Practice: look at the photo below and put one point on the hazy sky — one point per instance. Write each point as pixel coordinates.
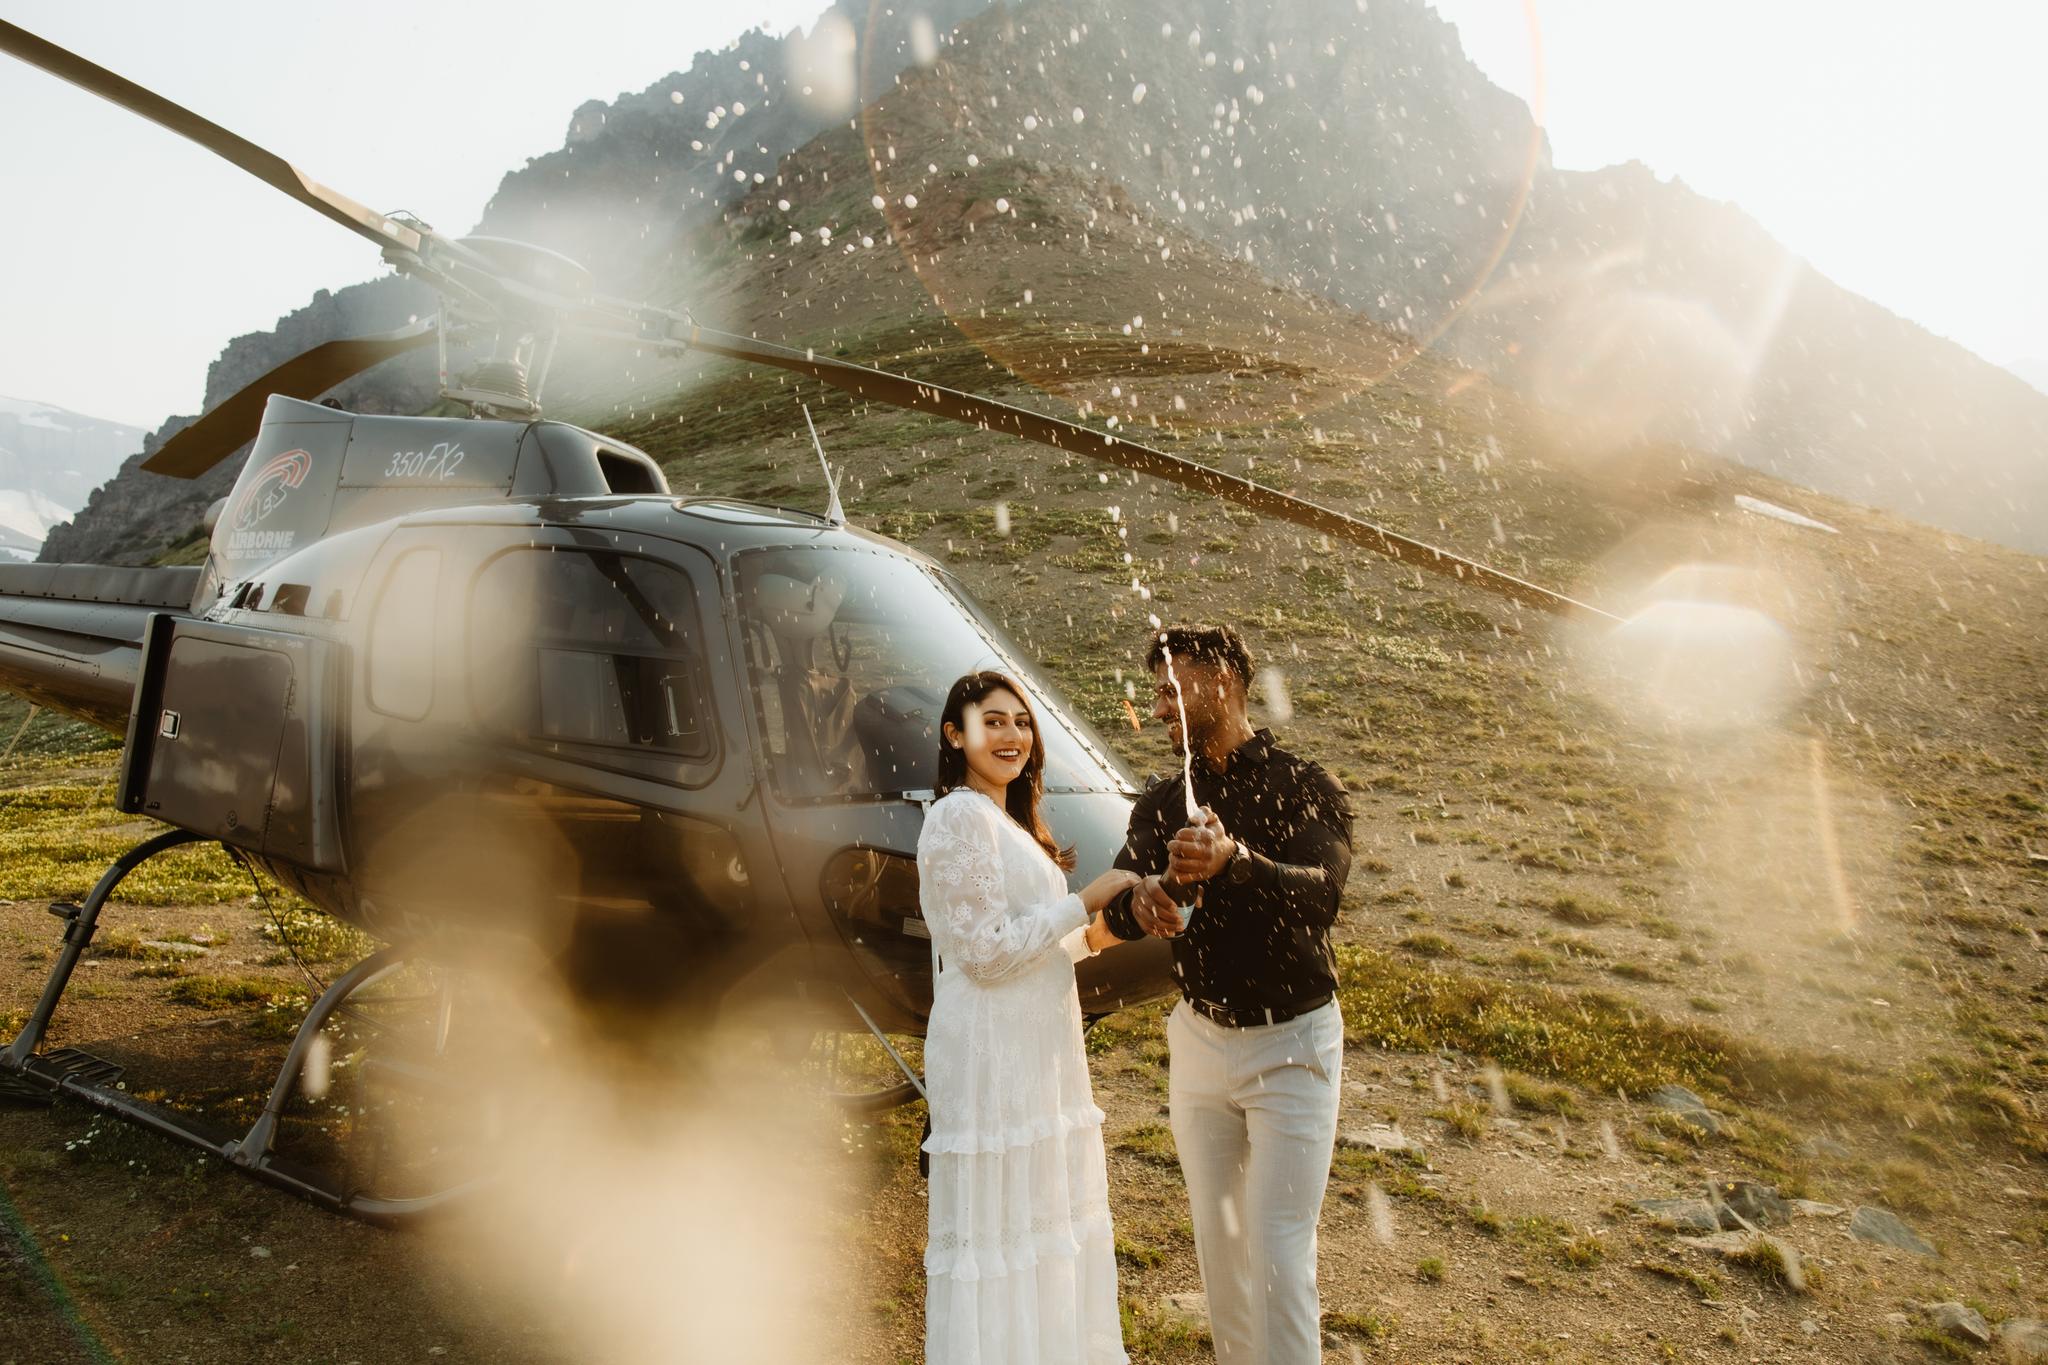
(148, 253)
(1898, 147)
(1902, 148)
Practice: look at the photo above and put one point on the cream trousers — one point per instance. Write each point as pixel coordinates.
(1255, 1118)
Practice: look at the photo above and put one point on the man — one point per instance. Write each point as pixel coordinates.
(1247, 894)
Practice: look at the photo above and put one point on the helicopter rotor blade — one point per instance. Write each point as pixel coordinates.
(904, 392)
(235, 420)
(219, 433)
(267, 166)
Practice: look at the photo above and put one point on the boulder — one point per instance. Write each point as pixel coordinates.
(2025, 1340)
(1960, 1321)
(1675, 1097)
(1688, 1106)
(1189, 1310)
(1753, 1203)
(1381, 1137)
(1813, 1208)
(1872, 1224)
(1686, 1215)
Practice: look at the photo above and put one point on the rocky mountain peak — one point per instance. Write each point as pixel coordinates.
(1352, 152)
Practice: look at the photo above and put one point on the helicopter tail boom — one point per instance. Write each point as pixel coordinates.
(71, 634)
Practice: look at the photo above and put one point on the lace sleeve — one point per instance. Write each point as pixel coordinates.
(962, 887)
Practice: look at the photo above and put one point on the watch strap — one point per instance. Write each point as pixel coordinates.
(1239, 869)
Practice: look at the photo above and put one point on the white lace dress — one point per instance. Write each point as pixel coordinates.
(1020, 1266)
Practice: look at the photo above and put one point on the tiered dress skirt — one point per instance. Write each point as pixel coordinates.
(1021, 1262)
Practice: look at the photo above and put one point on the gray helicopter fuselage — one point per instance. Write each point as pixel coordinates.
(679, 748)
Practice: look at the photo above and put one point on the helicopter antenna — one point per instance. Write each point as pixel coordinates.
(834, 513)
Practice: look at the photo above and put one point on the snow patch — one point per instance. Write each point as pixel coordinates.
(1786, 514)
(29, 513)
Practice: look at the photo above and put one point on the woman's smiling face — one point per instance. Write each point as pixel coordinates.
(996, 738)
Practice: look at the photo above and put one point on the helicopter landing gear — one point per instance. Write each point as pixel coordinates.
(20, 1063)
(384, 1187)
(384, 999)
(864, 1070)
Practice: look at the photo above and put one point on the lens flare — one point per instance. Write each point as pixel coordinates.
(632, 1216)
(1847, 919)
(1620, 362)
(821, 65)
(1698, 656)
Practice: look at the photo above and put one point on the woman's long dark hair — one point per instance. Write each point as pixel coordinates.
(1020, 799)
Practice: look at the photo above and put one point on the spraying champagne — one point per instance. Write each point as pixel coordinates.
(1187, 769)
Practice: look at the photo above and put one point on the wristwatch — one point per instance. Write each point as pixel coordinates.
(1239, 868)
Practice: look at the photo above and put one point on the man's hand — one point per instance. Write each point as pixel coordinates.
(1199, 851)
(1154, 909)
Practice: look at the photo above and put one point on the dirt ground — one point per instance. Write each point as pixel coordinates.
(1509, 1239)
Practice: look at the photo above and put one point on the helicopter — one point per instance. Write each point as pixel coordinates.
(486, 688)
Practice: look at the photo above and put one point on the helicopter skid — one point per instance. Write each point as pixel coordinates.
(309, 1183)
(27, 1075)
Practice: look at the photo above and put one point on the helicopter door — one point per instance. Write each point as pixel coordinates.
(549, 770)
(235, 733)
(599, 672)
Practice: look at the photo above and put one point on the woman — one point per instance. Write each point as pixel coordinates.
(1020, 1266)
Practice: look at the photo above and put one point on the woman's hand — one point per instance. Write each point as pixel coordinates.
(1105, 889)
(1099, 935)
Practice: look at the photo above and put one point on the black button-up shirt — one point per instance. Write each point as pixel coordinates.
(1263, 943)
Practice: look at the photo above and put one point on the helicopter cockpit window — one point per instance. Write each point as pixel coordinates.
(850, 655)
(590, 648)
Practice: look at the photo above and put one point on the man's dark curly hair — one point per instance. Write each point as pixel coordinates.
(1218, 645)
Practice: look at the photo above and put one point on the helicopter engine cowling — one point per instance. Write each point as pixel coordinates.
(316, 470)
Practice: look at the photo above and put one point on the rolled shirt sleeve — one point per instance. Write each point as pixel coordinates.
(1305, 884)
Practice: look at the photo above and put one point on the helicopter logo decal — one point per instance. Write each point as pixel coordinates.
(274, 482)
(266, 493)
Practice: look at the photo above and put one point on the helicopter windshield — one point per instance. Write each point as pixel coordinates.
(851, 653)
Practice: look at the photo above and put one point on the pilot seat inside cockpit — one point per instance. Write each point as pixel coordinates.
(842, 685)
